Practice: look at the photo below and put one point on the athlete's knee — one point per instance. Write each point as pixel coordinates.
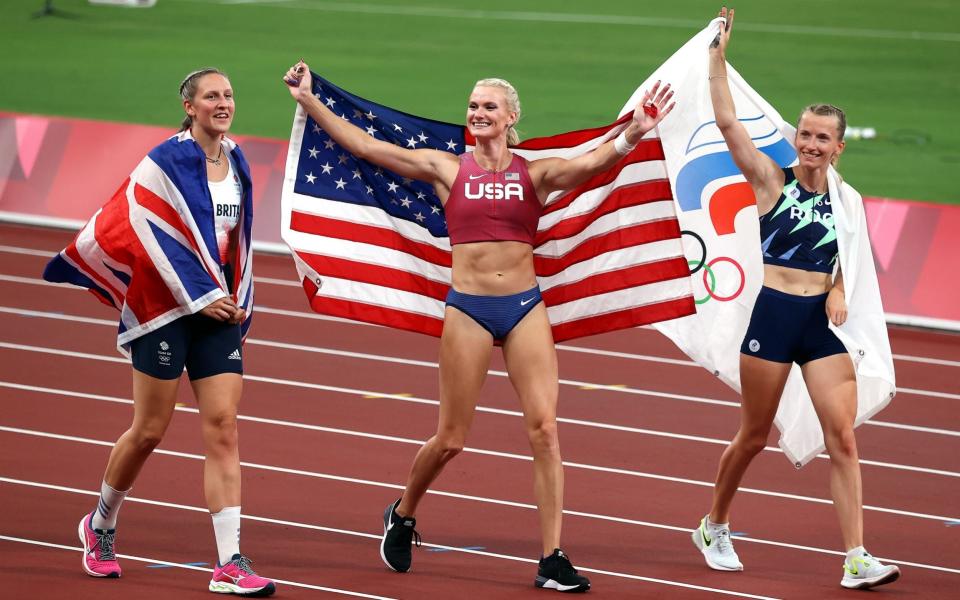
(544, 437)
(449, 444)
(751, 442)
(841, 443)
(220, 430)
(147, 436)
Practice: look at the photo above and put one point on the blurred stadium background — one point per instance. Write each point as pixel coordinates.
(893, 66)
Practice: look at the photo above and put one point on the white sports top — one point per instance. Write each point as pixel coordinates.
(226, 195)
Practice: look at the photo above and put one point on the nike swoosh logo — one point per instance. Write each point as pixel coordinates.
(472, 177)
(526, 302)
(706, 540)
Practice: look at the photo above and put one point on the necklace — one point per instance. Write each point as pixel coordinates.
(215, 161)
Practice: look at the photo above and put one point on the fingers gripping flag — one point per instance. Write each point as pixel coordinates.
(152, 254)
(372, 246)
(717, 214)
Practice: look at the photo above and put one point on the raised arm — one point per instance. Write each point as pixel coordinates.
(552, 174)
(761, 172)
(432, 166)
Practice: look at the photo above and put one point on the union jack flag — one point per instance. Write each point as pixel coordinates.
(151, 253)
(372, 246)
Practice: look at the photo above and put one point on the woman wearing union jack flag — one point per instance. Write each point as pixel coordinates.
(171, 251)
(492, 199)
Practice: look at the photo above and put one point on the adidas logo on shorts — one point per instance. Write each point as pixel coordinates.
(235, 355)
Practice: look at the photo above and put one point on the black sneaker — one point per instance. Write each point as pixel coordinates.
(398, 535)
(556, 573)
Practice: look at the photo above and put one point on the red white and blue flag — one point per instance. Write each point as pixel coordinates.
(152, 254)
(372, 246)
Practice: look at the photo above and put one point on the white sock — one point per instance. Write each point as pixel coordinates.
(715, 526)
(857, 552)
(105, 517)
(226, 528)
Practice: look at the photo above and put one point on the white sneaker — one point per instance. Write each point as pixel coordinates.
(717, 547)
(865, 571)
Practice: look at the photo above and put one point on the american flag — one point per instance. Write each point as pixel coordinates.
(152, 254)
(372, 246)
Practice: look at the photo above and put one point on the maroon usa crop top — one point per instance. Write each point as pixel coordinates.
(486, 206)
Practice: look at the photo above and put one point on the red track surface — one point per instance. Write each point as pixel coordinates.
(334, 451)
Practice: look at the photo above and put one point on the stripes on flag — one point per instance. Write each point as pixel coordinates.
(152, 254)
(372, 246)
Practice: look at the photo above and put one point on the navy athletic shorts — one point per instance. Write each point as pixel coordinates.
(497, 314)
(203, 345)
(785, 328)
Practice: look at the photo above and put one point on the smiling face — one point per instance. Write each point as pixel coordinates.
(818, 140)
(488, 113)
(212, 106)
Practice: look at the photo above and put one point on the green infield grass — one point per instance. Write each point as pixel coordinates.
(892, 65)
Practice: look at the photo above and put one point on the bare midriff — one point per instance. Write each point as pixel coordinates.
(796, 281)
(493, 268)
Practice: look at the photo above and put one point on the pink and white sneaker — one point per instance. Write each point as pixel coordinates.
(237, 577)
(99, 559)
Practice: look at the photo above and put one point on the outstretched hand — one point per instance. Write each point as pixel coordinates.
(720, 42)
(653, 108)
(298, 80)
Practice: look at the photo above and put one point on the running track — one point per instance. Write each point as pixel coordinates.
(333, 413)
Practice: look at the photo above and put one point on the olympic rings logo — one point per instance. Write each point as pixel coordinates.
(708, 274)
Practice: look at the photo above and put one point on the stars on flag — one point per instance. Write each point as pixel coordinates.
(341, 176)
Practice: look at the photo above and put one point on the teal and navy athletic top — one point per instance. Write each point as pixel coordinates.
(798, 232)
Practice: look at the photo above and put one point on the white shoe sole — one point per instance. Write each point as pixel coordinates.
(552, 584)
(698, 542)
(86, 550)
(222, 587)
(383, 540)
(862, 584)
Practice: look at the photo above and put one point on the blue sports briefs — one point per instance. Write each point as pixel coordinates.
(497, 314)
(785, 328)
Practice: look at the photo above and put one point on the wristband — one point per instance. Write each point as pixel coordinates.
(622, 146)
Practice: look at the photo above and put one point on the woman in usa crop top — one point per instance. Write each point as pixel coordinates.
(492, 200)
(802, 290)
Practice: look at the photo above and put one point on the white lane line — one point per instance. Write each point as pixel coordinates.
(349, 532)
(318, 317)
(915, 392)
(365, 435)
(383, 10)
(684, 530)
(116, 359)
(420, 363)
(406, 361)
(689, 363)
(154, 561)
(27, 251)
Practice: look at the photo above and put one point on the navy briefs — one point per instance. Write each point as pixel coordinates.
(497, 314)
(203, 345)
(785, 328)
